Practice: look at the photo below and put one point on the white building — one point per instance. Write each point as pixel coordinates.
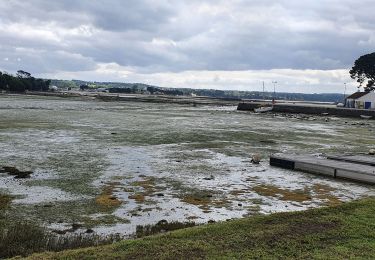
(53, 88)
(361, 100)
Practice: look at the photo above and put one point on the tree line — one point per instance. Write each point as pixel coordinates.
(22, 81)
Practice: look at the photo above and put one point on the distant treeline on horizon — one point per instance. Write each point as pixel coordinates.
(140, 88)
(22, 81)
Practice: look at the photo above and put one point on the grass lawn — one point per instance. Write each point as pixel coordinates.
(341, 232)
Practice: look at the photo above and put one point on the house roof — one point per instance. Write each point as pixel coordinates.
(357, 95)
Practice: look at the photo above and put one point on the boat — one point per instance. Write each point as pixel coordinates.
(365, 117)
(263, 109)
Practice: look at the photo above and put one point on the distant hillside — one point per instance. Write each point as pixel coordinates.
(116, 87)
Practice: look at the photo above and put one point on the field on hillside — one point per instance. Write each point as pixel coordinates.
(111, 166)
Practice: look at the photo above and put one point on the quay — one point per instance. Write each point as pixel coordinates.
(355, 168)
(307, 108)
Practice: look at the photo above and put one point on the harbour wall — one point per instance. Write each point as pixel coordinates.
(309, 109)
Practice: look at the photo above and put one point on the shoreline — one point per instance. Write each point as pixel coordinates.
(114, 97)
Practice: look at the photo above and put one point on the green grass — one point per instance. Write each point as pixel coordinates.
(341, 232)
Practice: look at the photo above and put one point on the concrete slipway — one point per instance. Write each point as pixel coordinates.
(352, 167)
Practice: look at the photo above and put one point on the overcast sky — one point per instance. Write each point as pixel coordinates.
(306, 46)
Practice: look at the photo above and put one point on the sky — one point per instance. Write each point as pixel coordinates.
(305, 46)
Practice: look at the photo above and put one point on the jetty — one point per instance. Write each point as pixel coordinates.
(354, 158)
(351, 167)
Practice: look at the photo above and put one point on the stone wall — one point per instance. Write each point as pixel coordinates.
(314, 110)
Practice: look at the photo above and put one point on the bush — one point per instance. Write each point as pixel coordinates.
(160, 227)
(25, 238)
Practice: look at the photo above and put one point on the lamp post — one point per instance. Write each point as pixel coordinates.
(274, 89)
(263, 91)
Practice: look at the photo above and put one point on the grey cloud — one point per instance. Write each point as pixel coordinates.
(157, 36)
(39, 62)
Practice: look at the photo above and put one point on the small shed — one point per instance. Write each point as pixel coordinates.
(361, 100)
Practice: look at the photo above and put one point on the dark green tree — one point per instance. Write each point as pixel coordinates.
(23, 81)
(84, 87)
(364, 69)
(23, 74)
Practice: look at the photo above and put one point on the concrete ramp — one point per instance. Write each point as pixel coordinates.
(327, 167)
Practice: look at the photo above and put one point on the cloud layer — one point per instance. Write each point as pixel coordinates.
(239, 42)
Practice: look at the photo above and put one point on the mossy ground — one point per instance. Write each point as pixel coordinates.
(5, 201)
(339, 232)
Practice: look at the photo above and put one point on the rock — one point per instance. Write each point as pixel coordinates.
(89, 231)
(15, 172)
(160, 194)
(255, 158)
(23, 175)
(162, 222)
(76, 226)
(240, 204)
(211, 221)
(59, 232)
(371, 152)
(268, 141)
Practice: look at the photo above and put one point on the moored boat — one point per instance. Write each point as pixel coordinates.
(263, 109)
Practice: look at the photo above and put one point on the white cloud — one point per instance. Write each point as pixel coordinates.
(288, 80)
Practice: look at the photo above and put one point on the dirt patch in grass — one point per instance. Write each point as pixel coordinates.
(204, 200)
(148, 183)
(5, 201)
(147, 189)
(238, 192)
(283, 194)
(138, 197)
(324, 193)
(106, 199)
(306, 228)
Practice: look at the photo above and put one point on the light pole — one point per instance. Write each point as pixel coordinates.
(344, 90)
(274, 89)
(263, 91)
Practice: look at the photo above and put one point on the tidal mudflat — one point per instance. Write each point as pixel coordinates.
(110, 166)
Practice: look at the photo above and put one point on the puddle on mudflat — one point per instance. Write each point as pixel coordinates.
(119, 165)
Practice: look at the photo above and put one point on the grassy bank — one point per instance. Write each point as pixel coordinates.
(340, 232)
